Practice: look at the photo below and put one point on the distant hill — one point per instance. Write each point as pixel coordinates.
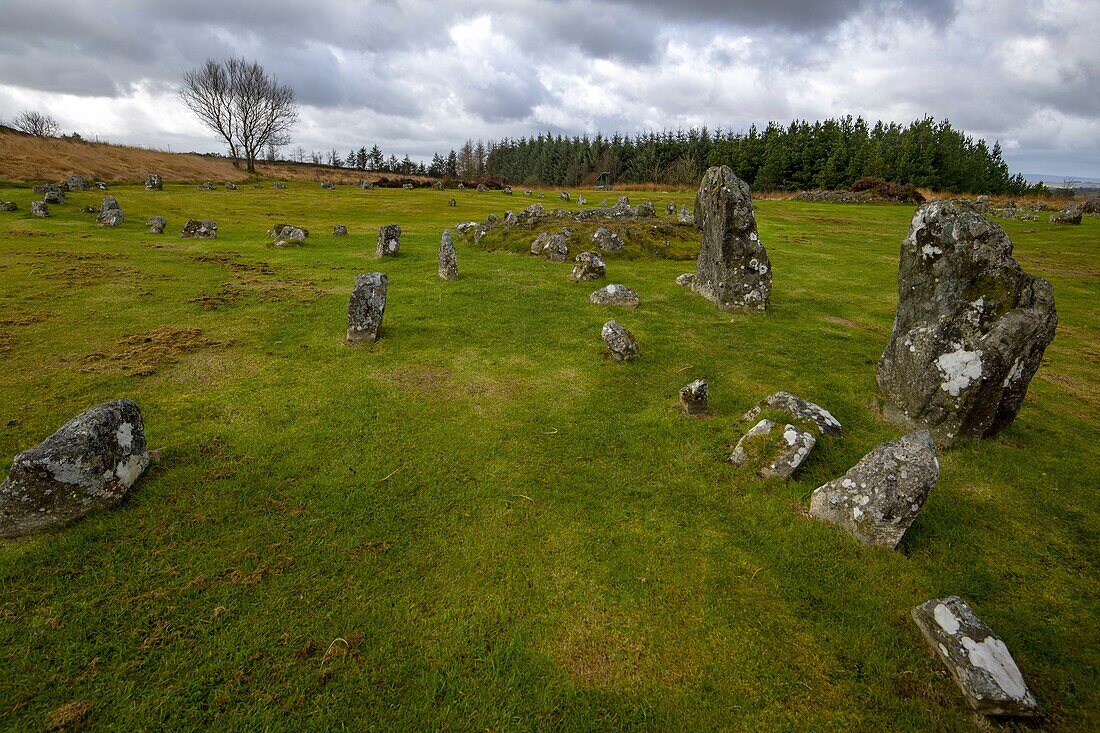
(1053, 181)
(26, 158)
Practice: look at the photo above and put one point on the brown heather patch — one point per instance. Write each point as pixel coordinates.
(141, 355)
(70, 716)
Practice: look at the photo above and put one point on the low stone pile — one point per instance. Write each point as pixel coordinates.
(1071, 214)
(199, 229)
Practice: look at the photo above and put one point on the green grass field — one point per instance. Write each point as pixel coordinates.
(480, 523)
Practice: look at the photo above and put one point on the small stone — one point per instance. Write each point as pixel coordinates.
(156, 224)
(880, 497)
(800, 410)
(54, 197)
(507, 190)
(482, 188)
(109, 217)
(465, 227)
(339, 231)
(278, 184)
(534, 211)
(407, 186)
(693, 397)
(555, 248)
(230, 186)
(208, 186)
(199, 229)
(366, 308)
(108, 203)
(686, 217)
(589, 266)
(670, 209)
(452, 202)
(290, 236)
(527, 192)
(564, 195)
(614, 294)
(90, 463)
(607, 240)
(620, 341)
(685, 280)
(448, 259)
(582, 200)
(153, 182)
(8, 206)
(779, 455)
(510, 218)
(1071, 214)
(101, 185)
(645, 209)
(976, 657)
(40, 208)
(328, 185)
(389, 240)
(623, 202)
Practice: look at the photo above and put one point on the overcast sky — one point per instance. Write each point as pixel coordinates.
(419, 76)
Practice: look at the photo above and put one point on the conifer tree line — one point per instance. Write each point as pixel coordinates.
(831, 154)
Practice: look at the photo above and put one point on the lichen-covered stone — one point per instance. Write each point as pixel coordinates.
(670, 209)
(970, 330)
(510, 218)
(614, 294)
(278, 185)
(109, 216)
(156, 224)
(534, 211)
(8, 206)
(564, 195)
(507, 190)
(54, 197)
(465, 227)
(40, 208)
(230, 186)
(199, 229)
(452, 202)
(582, 200)
(693, 397)
(1071, 214)
(448, 259)
(88, 464)
(589, 266)
(607, 240)
(686, 216)
(389, 240)
(339, 231)
(366, 308)
(733, 269)
(287, 235)
(979, 661)
(555, 248)
(774, 454)
(208, 186)
(880, 497)
(620, 341)
(328, 185)
(685, 280)
(153, 182)
(645, 209)
(77, 182)
(800, 410)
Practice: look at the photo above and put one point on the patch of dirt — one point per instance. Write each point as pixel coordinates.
(256, 280)
(8, 325)
(842, 322)
(423, 380)
(142, 354)
(70, 716)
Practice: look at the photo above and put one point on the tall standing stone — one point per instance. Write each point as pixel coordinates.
(733, 269)
(389, 240)
(970, 330)
(448, 260)
(366, 308)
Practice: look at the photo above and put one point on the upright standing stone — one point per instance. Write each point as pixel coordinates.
(110, 213)
(389, 240)
(448, 260)
(368, 304)
(977, 659)
(89, 463)
(620, 341)
(733, 269)
(452, 202)
(564, 195)
(54, 197)
(153, 182)
(693, 397)
(970, 330)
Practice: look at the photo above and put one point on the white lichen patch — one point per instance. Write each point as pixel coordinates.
(992, 655)
(125, 436)
(1014, 373)
(947, 620)
(129, 469)
(959, 368)
(929, 251)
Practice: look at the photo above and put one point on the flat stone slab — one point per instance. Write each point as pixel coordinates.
(614, 294)
(976, 657)
(800, 410)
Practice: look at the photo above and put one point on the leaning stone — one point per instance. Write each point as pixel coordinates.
(199, 229)
(77, 182)
(620, 341)
(339, 231)
(101, 186)
(685, 280)
(452, 202)
(389, 240)
(110, 217)
(156, 224)
(589, 266)
(539, 242)
(367, 305)
(40, 208)
(970, 330)
(733, 269)
(614, 294)
(878, 499)
(693, 397)
(448, 259)
(54, 197)
(779, 455)
(976, 657)
(8, 206)
(800, 410)
(87, 465)
(1069, 215)
(153, 182)
(607, 240)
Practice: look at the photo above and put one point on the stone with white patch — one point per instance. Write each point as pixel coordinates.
(772, 453)
(40, 208)
(389, 241)
(588, 266)
(970, 330)
(90, 463)
(685, 280)
(156, 224)
(366, 307)
(153, 182)
(693, 397)
(199, 229)
(607, 240)
(880, 497)
(800, 410)
(614, 294)
(976, 657)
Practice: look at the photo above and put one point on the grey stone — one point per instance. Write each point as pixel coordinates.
(970, 330)
(448, 259)
(339, 231)
(90, 463)
(47, 187)
(670, 209)
(620, 341)
(623, 202)
(482, 188)
(774, 454)
(582, 200)
(109, 217)
(534, 211)
(208, 186)
(645, 209)
(979, 661)
(389, 240)
(153, 182)
(878, 498)
(156, 224)
(510, 218)
(366, 308)
(800, 410)
(366, 185)
(507, 190)
(328, 185)
(8, 206)
(1071, 214)
(466, 227)
(555, 248)
(77, 182)
(588, 266)
(686, 217)
(40, 208)
(101, 185)
(527, 192)
(462, 187)
(278, 184)
(607, 240)
(230, 186)
(54, 197)
(290, 236)
(685, 280)
(564, 195)
(407, 186)
(614, 294)
(733, 269)
(452, 202)
(108, 203)
(693, 397)
(199, 229)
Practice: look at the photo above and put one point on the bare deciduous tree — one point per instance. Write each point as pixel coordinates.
(243, 104)
(35, 123)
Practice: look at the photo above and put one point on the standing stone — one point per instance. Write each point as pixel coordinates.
(290, 236)
(527, 192)
(156, 224)
(686, 217)
(1069, 215)
(978, 660)
(230, 186)
(339, 231)
(670, 209)
(881, 495)
(452, 202)
(589, 266)
(407, 186)
(389, 240)
(278, 184)
(534, 211)
(801, 411)
(507, 190)
(448, 259)
(564, 195)
(970, 330)
(510, 218)
(196, 229)
(614, 294)
(153, 182)
(620, 341)
(555, 248)
(693, 397)
(54, 197)
(607, 240)
(109, 202)
(685, 280)
(623, 202)
(645, 209)
(77, 182)
(101, 185)
(733, 269)
(40, 208)
(368, 304)
(110, 215)
(88, 464)
(777, 454)
(582, 200)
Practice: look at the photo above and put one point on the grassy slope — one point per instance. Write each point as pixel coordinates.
(486, 524)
